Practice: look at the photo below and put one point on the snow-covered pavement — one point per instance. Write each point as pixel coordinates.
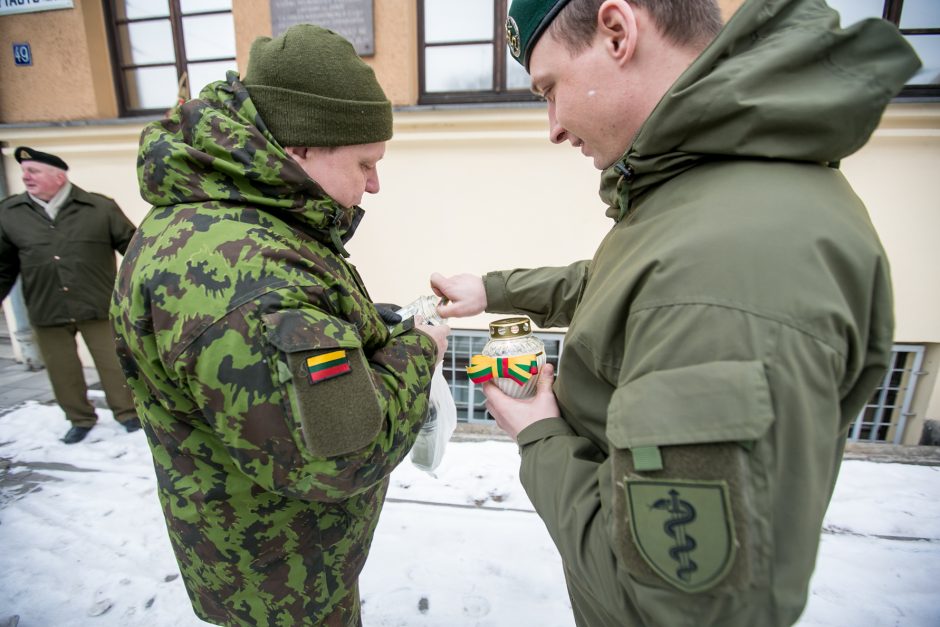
(83, 542)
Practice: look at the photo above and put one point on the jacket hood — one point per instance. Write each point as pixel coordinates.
(781, 80)
(217, 149)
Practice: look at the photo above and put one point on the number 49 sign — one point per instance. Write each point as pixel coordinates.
(22, 54)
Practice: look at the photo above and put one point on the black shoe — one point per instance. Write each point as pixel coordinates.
(76, 434)
(132, 425)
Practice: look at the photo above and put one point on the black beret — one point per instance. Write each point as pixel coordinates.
(22, 153)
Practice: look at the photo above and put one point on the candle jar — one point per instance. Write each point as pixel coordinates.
(517, 357)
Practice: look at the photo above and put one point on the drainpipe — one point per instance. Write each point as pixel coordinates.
(24, 348)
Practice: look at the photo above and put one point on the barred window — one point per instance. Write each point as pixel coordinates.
(884, 418)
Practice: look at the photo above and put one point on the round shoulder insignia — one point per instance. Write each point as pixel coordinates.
(512, 37)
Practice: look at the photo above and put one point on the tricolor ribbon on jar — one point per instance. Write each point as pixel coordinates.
(519, 368)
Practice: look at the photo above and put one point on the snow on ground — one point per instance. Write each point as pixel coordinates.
(83, 542)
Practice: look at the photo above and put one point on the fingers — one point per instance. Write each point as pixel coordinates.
(438, 333)
(465, 293)
(546, 380)
(494, 397)
(437, 281)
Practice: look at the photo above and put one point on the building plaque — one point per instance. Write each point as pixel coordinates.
(350, 18)
(9, 7)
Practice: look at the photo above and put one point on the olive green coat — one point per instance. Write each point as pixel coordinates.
(730, 327)
(67, 264)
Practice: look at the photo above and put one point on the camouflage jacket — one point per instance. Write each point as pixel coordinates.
(275, 401)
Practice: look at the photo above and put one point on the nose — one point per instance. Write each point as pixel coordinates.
(372, 183)
(556, 132)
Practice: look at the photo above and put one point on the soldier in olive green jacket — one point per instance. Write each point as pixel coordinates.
(60, 240)
(275, 400)
(733, 322)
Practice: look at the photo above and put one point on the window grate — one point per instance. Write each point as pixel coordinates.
(884, 418)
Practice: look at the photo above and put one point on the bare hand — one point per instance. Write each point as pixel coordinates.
(465, 292)
(514, 414)
(438, 333)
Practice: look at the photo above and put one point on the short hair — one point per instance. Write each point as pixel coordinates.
(684, 22)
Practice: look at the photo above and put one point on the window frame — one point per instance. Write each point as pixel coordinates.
(499, 92)
(120, 66)
(892, 13)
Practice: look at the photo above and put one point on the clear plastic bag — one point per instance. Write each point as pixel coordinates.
(428, 449)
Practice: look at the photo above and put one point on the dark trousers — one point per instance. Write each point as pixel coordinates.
(59, 350)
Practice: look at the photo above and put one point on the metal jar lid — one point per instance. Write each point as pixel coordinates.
(510, 327)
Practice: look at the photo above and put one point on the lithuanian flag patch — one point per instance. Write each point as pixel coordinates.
(327, 366)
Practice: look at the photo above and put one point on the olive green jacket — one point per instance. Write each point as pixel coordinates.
(67, 264)
(275, 401)
(728, 330)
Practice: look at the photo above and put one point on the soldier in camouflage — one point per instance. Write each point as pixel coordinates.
(275, 399)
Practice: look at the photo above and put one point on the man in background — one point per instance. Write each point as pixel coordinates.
(61, 240)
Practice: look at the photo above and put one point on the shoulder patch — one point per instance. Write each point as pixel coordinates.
(327, 366)
(683, 530)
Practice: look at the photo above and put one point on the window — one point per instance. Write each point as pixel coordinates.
(919, 22)
(884, 418)
(168, 49)
(468, 397)
(463, 56)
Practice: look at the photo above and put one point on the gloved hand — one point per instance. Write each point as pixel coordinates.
(387, 312)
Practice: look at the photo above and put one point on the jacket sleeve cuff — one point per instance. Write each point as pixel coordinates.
(497, 296)
(543, 429)
(428, 346)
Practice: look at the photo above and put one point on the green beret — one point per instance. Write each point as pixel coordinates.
(527, 21)
(22, 153)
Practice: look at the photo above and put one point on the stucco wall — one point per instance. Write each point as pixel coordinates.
(74, 85)
(473, 189)
(895, 174)
(470, 190)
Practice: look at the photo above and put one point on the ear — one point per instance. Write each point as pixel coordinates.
(616, 25)
(297, 153)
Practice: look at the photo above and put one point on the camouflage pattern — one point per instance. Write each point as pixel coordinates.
(235, 275)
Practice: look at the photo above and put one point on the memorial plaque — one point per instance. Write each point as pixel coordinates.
(350, 18)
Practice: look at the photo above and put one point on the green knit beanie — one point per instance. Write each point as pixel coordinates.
(312, 89)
